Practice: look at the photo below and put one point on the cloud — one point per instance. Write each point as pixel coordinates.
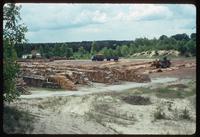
(76, 22)
(182, 10)
(60, 16)
(144, 12)
(150, 12)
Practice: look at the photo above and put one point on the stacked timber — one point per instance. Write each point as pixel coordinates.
(66, 76)
(62, 81)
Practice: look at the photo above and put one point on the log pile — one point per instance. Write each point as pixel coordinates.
(62, 81)
(22, 87)
(44, 74)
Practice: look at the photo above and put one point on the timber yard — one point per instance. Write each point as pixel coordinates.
(128, 96)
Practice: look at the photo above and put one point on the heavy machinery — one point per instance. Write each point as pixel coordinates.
(101, 57)
(115, 58)
(162, 63)
(98, 57)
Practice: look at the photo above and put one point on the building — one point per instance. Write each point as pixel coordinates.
(25, 56)
(34, 54)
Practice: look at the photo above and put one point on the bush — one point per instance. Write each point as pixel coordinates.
(159, 114)
(185, 114)
(137, 100)
(17, 121)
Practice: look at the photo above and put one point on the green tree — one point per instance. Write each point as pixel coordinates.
(81, 51)
(41, 50)
(115, 53)
(13, 33)
(118, 51)
(125, 50)
(182, 47)
(63, 50)
(163, 37)
(183, 36)
(110, 52)
(132, 48)
(93, 48)
(12, 30)
(69, 52)
(191, 47)
(104, 51)
(193, 36)
(57, 50)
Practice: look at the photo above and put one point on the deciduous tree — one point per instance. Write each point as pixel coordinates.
(13, 33)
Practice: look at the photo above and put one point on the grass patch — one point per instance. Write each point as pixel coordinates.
(178, 86)
(168, 93)
(137, 100)
(53, 102)
(17, 121)
(171, 91)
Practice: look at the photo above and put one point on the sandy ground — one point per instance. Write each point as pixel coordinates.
(100, 108)
(98, 114)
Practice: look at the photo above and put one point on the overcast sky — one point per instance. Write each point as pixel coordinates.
(88, 22)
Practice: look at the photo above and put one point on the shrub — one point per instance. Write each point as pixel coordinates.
(137, 100)
(185, 114)
(159, 114)
(17, 121)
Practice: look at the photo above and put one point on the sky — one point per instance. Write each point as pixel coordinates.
(92, 22)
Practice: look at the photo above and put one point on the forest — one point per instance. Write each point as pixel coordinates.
(185, 44)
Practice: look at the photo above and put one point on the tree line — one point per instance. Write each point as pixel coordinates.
(85, 49)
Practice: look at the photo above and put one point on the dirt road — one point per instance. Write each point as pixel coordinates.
(96, 88)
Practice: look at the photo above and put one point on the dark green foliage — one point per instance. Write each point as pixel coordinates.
(181, 36)
(191, 47)
(12, 29)
(94, 48)
(193, 36)
(124, 50)
(137, 100)
(13, 33)
(17, 121)
(85, 49)
(163, 37)
(81, 50)
(68, 52)
(10, 69)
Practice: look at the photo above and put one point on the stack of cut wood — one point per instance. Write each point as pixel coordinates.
(62, 81)
(21, 87)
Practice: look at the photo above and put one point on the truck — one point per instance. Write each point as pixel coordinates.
(101, 57)
(98, 57)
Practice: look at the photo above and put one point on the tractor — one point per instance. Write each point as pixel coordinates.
(162, 63)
